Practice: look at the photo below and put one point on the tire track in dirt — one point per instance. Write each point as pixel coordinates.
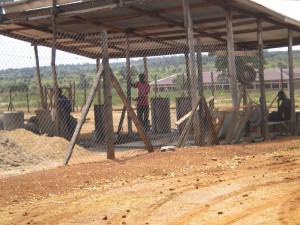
(289, 210)
(200, 211)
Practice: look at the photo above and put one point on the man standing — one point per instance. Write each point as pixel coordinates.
(142, 100)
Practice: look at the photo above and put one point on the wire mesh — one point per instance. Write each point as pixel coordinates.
(30, 131)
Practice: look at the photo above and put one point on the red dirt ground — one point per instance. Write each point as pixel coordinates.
(234, 184)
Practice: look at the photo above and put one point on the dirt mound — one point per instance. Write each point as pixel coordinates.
(22, 149)
(13, 155)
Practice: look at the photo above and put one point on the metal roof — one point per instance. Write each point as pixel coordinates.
(154, 27)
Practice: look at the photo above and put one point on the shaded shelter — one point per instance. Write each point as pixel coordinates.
(140, 28)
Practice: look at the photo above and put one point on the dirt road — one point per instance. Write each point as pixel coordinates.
(240, 184)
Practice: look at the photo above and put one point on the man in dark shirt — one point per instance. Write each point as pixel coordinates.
(284, 108)
(67, 123)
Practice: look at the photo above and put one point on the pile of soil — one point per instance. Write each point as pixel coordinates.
(23, 150)
(13, 155)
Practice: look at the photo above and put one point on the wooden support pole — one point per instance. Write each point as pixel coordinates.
(231, 58)
(146, 68)
(188, 74)
(53, 58)
(291, 82)
(83, 116)
(212, 83)
(99, 86)
(194, 88)
(155, 86)
(201, 92)
(74, 97)
(109, 129)
(27, 98)
(281, 78)
(38, 76)
(128, 83)
(131, 113)
(265, 130)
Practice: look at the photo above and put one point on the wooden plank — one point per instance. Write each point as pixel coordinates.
(121, 120)
(291, 82)
(38, 76)
(132, 114)
(182, 119)
(213, 134)
(188, 125)
(201, 91)
(192, 68)
(83, 116)
(128, 83)
(242, 122)
(231, 58)
(108, 125)
(220, 122)
(234, 121)
(265, 131)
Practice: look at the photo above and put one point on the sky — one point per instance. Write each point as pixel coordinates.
(18, 54)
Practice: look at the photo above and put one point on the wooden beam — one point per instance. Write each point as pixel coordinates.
(53, 58)
(265, 130)
(192, 69)
(231, 58)
(291, 82)
(128, 82)
(108, 122)
(83, 115)
(173, 22)
(38, 75)
(201, 92)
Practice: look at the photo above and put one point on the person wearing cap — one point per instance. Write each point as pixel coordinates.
(142, 100)
(283, 112)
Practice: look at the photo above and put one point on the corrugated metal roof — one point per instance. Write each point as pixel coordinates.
(159, 25)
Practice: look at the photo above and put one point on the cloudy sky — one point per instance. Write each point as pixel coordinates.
(290, 8)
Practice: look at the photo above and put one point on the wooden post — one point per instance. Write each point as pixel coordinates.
(281, 78)
(291, 82)
(146, 68)
(265, 130)
(46, 96)
(188, 74)
(99, 86)
(192, 68)
(201, 92)
(53, 57)
(38, 76)
(231, 59)
(83, 116)
(155, 86)
(27, 98)
(128, 83)
(74, 97)
(131, 113)
(109, 129)
(212, 83)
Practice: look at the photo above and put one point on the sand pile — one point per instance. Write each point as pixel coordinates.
(20, 148)
(13, 155)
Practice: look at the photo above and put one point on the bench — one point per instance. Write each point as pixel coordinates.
(280, 126)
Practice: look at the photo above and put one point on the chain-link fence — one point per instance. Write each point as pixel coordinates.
(30, 136)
